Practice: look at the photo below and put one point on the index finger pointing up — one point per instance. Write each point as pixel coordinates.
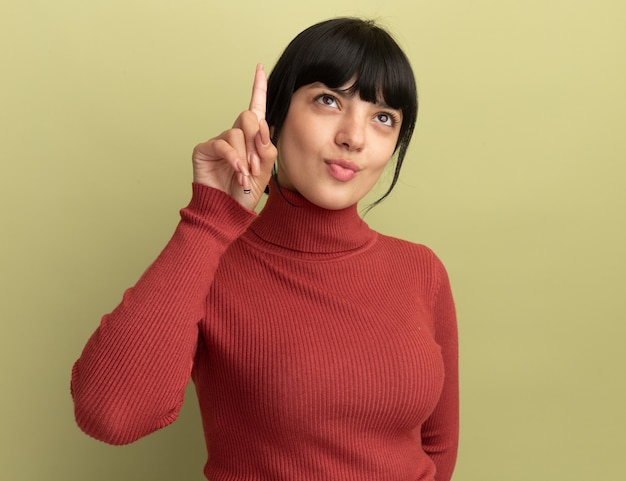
(259, 92)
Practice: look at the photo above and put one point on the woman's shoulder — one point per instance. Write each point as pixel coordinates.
(416, 266)
(406, 247)
(409, 254)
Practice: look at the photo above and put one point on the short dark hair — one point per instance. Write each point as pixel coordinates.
(335, 51)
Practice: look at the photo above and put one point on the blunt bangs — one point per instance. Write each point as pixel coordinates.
(379, 68)
(340, 50)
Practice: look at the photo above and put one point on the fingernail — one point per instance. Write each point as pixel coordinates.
(243, 169)
(255, 164)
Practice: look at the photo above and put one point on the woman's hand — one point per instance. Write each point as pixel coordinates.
(239, 161)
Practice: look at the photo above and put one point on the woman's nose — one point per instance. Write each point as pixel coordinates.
(351, 133)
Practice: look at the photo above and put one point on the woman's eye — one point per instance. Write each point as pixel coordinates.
(386, 119)
(327, 100)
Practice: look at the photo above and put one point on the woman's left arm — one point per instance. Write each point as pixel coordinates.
(440, 432)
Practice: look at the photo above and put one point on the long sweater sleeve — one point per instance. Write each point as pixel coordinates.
(131, 376)
(440, 431)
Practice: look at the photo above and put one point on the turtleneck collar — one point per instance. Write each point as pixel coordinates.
(290, 222)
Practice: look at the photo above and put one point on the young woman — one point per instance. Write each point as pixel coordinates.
(319, 348)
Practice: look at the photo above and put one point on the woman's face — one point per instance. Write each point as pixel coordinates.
(333, 145)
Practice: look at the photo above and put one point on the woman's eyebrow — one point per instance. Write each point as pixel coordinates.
(348, 93)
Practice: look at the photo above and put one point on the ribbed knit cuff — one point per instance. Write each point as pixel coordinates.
(210, 205)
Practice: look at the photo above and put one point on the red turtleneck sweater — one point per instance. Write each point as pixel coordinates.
(319, 348)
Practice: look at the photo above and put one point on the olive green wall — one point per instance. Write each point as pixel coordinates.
(515, 178)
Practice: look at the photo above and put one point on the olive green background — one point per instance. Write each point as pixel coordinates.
(515, 178)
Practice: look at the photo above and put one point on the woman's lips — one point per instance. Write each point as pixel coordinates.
(341, 169)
